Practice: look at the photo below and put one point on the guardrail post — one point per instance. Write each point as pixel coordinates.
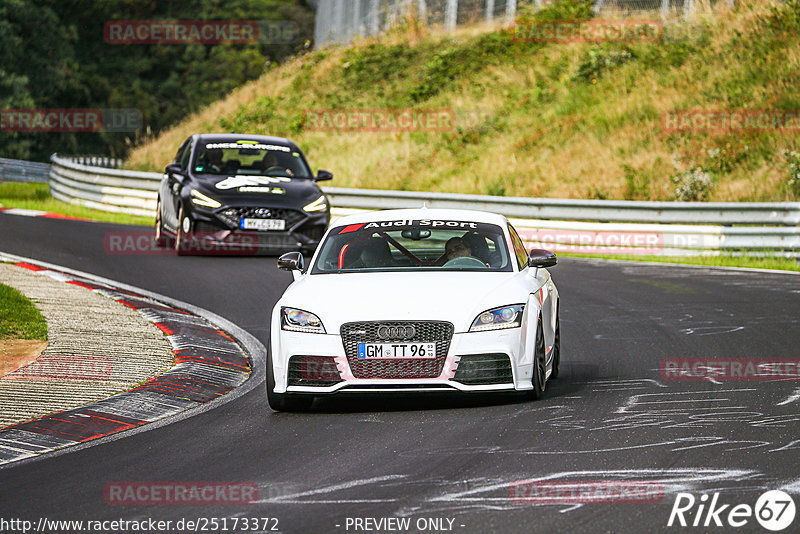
(338, 21)
(511, 10)
(374, 24)
(688, 8)
(451, 15)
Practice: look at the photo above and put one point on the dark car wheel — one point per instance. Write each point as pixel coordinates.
(161, 239)
(284, 402)
(539, 365)
(556, 348)
(184, 234)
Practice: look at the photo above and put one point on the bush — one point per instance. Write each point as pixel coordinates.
(637, 183)
(692, 184)
(793, 161)
(442, 69)
(598, 60)
(565, 10)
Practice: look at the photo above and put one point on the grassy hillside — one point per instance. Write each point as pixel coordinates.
(578, 120)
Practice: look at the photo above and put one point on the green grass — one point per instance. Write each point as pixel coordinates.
(37, 197)
(725, 260)
(19, 318)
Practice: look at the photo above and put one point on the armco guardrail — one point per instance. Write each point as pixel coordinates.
(103, 188)
(725, 213)
(604, 226)
(15, 170)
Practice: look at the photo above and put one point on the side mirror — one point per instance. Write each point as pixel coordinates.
(541, 258)
(323, 175)
(174, 168)
(291, 261)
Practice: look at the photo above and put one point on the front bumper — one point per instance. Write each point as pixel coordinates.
(216, 230)
(329, 347)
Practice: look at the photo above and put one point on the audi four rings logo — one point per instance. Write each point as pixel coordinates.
(396, 332)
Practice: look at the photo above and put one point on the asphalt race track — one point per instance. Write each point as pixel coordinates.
(610, 416)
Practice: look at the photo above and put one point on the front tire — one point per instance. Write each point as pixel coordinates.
(284, 402)
(556, 347)
(183, 236)
(539, 365)
(161, 239)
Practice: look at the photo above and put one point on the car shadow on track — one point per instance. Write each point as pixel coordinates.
(574, 377)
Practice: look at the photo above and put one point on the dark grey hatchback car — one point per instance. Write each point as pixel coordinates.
(241, 194)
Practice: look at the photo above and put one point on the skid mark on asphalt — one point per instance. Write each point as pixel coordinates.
(667, 409)
(299, 497)
(675, 444)
(690, 397)
(791, 398)
(791, 445)
(710, 330)
(623, 384)
(498, 494)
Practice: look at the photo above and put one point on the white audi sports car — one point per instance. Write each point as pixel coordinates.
(415, 300)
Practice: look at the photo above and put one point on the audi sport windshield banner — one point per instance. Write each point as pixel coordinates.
(416, 223)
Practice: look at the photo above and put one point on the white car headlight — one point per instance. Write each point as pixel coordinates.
(204, 200)
(317, 205)
(300, 321)
(498, 318)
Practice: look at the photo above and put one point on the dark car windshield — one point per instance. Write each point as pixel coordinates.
(250, 158)
(414, 245)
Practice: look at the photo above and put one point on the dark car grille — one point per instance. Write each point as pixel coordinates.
(312, 232)
(426, 332)
(313, 371)
(484, 369)
(232, 215)
(202, 227)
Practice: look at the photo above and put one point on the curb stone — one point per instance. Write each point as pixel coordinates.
(209, 363)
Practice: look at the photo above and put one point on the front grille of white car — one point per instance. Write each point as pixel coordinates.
(439, 332)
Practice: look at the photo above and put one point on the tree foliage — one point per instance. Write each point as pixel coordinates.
(53, 55)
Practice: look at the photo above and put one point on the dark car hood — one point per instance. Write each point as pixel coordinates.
(260, 190)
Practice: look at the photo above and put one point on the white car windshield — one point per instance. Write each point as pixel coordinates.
(414, 245)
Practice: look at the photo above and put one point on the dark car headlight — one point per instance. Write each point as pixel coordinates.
(320, 204)
(296, 320)
(498, 318)
(203, 200)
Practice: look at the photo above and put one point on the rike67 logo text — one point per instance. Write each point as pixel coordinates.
(774, 510)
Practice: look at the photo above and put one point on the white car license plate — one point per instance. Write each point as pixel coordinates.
(263, 224)
(373, 351)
